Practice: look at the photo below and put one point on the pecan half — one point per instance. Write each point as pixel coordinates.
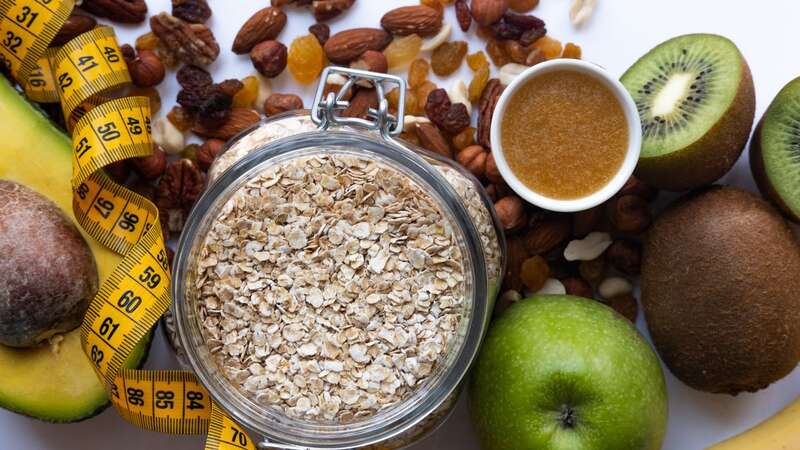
(189, 43)
(178, 190)
(489, 98)
(328, 9)
(78, 23)
(123, 11)
(266, 24)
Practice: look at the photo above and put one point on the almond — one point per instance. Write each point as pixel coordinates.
(432, 139)
(348, 45)
(371, 61)
(420, 19)
(239, 120)
(264, 25)
(547, 235)
(487, 12)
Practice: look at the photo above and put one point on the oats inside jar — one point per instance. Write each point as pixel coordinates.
(330, 287)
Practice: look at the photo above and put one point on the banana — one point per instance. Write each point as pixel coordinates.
(779, 432)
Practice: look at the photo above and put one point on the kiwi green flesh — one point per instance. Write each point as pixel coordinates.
(777, 144)
(682, 88)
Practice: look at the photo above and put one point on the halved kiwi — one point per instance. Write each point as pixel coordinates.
(775, 151)
(696, 101)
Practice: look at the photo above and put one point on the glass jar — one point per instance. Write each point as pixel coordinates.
(468, 215)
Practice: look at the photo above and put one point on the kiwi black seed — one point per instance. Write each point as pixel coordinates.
(696, 102)
(775, 151)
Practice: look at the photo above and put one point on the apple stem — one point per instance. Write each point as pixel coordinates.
(568, 417)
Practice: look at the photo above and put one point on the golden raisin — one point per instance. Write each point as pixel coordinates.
(147, 41)
(149, 92)
(180, 118)
(306, 59)
(534, 273)
(393, 97)
(476, 60)
(447, 58)
(549, 46)
(247, 95)
(190, 152)
(412, 104)
(464, 139)
(498, 54)
(418, 72)
(571, 51)
(402, 50)
(424, 90)
(478, 83)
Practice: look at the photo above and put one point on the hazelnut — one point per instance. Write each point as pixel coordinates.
(584, 222)
(279, 103)
(208, 153)
(635, 186)
(492, 172)
(269, 58)
(511, 212)
(119, 171)
(146, 68)
(372, 61)
(320, 31)
(630, 214)
(593, 271)
(625, 255)
(578, 287)
(151, 167)
(624, 304)
(497, 191)
(473, 158)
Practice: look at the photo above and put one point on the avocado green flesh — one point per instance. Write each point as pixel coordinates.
(682, 88)
(61, 386)
(780, 146)
(56, 386)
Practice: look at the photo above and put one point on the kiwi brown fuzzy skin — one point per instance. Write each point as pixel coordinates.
(719, 291)
(712, 156)
(760, 175)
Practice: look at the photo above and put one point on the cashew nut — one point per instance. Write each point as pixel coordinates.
(588, 248)
(168, 137)
(614, 286)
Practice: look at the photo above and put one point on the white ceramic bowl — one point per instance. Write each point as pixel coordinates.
(631, 156)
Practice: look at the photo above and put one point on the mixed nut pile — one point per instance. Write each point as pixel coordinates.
(453, 122)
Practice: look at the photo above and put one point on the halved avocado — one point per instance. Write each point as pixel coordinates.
(56, 386)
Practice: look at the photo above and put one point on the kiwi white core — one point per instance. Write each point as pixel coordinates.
(671, 95)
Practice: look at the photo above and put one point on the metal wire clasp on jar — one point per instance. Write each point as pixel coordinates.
(333, 284)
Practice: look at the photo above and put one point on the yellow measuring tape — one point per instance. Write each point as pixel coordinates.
(129, 303)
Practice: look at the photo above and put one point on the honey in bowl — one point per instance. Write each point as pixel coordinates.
(564, 134)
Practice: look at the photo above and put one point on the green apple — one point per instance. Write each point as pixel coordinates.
(566, 373)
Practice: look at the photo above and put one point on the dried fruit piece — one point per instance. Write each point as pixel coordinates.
(463, 15)
(551, 48)
(147, 41)
(393, 97)
(193, 78)
(401, 51)
(306, 59)
(193, 11)
(239, 120)
(476, 60)
(516, 51)
(498, 54)
(151, 94)
(247, 95)
(321, 31)
(180, 118)
(571, 51)
(424, 90)
(535, 272)
(450, 117)
(418, 73)
(464, 139)
(448, 57)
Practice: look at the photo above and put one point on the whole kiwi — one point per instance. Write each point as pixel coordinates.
(721, 291)
(47, 271)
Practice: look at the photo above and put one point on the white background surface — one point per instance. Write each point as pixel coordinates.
(618, 33)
